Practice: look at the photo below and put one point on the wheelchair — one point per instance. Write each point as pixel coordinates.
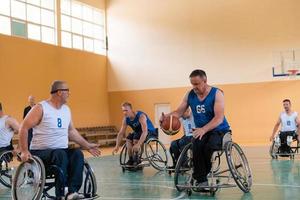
(153, 153)
(282, 145)
(237, 169)
(32, 181)
(7, 168)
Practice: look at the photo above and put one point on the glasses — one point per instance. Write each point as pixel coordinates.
(54, 91)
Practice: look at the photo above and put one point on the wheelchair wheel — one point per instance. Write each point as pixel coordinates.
(273, 150)
(29, 180)
(238, 166)
(156, 153)
(7, 169)
(123, 155)
(183, 169)
(89, 186)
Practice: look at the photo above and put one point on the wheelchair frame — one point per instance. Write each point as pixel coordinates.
(275, 150)
(217, 178)
(6, 171)
(151, 156)
(34, 173)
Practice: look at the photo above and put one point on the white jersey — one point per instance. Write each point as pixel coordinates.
(6, 133)
(288, 122)
(188, 125)
(52, 131)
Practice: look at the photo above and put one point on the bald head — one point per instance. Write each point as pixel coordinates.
(31, 100)
(57, 85)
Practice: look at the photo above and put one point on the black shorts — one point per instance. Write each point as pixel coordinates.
(136, 136)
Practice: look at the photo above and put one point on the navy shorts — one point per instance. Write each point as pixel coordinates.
(136, 136)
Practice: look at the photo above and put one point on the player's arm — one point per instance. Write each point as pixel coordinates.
(32, 119)
(298, 127)
(276, 126)
(219, 113)
(76, 137)
(180, 109)
(13, 124)
(143, 122)
(120, 136)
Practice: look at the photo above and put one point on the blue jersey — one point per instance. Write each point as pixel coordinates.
(136, 125)
(203, 111)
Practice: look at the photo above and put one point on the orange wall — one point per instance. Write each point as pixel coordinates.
(251, 109)
(28, 67)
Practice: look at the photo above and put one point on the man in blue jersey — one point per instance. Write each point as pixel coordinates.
(207, 105)
(141, 126)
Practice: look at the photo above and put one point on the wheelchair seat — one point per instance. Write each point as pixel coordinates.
(33, 182)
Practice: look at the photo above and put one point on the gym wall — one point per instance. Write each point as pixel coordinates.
(154, 45)
(28, 68)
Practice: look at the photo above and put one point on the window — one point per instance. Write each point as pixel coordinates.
(32, 19)
(82, 27)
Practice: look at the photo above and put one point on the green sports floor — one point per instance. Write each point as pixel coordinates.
(272, 179)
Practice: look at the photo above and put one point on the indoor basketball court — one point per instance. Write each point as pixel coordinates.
(119, 68)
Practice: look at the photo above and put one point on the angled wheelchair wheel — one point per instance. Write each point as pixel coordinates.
(89, 186)
(29, 180)
(123, 155)
(273, 150)
(156, 153)
(238, 166)
(7, 169)
(184, 169)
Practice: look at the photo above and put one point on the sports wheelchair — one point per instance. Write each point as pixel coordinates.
(282, 145)
(237, 169)
(153, 152)
(32, 181)
(7, 168)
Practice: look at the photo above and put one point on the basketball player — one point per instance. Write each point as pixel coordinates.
(177, 146)
(8, 126)
(289, 122)
(52, 129)
(142, 129)
(207, 105)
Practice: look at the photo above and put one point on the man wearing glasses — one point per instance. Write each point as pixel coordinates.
(52, 129)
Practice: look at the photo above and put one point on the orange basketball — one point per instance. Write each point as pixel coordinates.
(170, 125)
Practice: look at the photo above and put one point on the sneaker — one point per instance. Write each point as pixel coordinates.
(201, 186)
(171, 167)
(74, 196)
(129, 162)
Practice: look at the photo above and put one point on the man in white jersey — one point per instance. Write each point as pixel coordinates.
(177, 146)
(8, 126)
(52, 129)
(289, 122)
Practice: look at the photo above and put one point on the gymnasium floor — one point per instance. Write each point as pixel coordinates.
(273, 179)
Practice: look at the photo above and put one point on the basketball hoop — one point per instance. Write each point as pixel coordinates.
(293, 73)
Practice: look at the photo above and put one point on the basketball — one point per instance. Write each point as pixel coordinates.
(170, 125)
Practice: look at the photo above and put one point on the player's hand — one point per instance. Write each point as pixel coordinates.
(271, 139)
(115, 150)
(136, 147)
(198, 133)
(94, 149)
(25, 156)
